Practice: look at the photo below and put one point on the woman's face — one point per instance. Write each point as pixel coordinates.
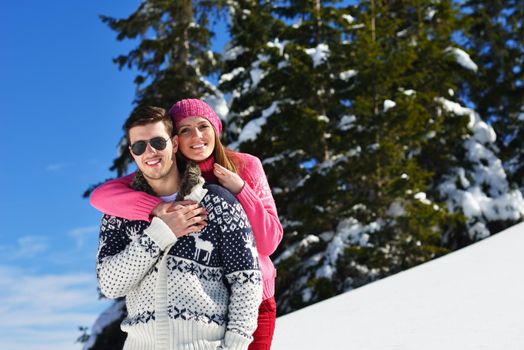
(196, 138)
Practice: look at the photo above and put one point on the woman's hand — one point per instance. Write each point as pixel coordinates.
(228, 179)
(182, 217)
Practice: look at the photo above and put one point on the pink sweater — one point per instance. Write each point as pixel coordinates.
(116, 198)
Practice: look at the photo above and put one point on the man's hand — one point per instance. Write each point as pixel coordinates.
(228, 179)
(182, 217)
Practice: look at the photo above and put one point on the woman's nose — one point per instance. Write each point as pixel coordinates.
(197, 133)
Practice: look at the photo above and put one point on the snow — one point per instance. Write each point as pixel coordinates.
(318, 54)
(396, 209)
(475, 203)
(281, 156)
(331, 162)
(346, 75)
(256, 73)
(479, 230)
(402, 33)
(346, 122)
(297, 24)
(218, 103)
(308, 240)
(471, 299)
(482, 191)
(323, 118)
(211, 55)
(349, 231)
(231, 54)
(307, 293)
(280, 45)
(388, 104)
(231, 75)
(254, 126)
(303, 181)
(421, 196)
(350, 19)
(430, 13)
(357, 26)
(354, 151)
(462, 58)
(271, 160)
(374, 146)
(430, 134)
(247, 112)
(283, 64)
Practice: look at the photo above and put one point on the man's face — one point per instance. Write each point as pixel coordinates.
(155, 164)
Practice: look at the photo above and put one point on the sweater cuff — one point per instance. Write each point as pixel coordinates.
(246, 194)
(234, 341)
(160, 233)
(144, 206)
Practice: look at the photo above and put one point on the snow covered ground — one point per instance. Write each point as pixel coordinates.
(470, 299)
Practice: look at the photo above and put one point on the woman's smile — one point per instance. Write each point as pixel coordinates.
(196, 138)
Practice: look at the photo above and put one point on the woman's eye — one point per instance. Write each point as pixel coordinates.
(205, 126)
(183, 131)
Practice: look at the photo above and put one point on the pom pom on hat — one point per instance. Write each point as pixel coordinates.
(193, 107)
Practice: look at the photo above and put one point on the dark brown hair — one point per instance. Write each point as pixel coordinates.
(147, 115)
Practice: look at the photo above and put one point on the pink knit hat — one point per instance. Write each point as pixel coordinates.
(193, 107)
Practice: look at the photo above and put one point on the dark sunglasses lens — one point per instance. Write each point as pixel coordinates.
(158, 143)
(138, 147)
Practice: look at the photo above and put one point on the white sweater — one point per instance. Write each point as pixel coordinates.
(203, 294)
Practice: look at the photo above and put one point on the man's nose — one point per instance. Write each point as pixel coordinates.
(150, 149)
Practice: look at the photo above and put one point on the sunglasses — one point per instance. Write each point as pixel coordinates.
(139, 147)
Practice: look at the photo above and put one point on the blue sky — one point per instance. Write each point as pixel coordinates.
(63, 103)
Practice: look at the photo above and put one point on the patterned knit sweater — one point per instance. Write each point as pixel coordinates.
(197, 292)
(115, 197)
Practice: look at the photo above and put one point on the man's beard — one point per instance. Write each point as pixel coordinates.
(164, 172)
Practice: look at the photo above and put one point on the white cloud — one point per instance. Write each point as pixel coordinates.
(25, 248)
(44, 311)
(81, 234)
(57, 167)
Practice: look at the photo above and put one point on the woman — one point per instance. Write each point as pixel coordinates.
(199, 129)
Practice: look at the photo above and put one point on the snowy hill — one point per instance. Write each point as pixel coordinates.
(469, 299)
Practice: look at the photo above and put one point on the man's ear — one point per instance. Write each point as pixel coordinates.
(174, 139)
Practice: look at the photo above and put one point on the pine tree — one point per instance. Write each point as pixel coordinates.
(495, 36)
(173, 60)
(362, 117)
(382, 218)
(173, 57)
(351, 111)
(283, 101)
(251, 27)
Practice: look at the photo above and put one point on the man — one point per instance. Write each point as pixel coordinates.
(196, 291)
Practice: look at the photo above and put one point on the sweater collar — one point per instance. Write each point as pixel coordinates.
(206, 167)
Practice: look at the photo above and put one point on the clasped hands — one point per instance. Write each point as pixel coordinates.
(183, 217)
(187, 217)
